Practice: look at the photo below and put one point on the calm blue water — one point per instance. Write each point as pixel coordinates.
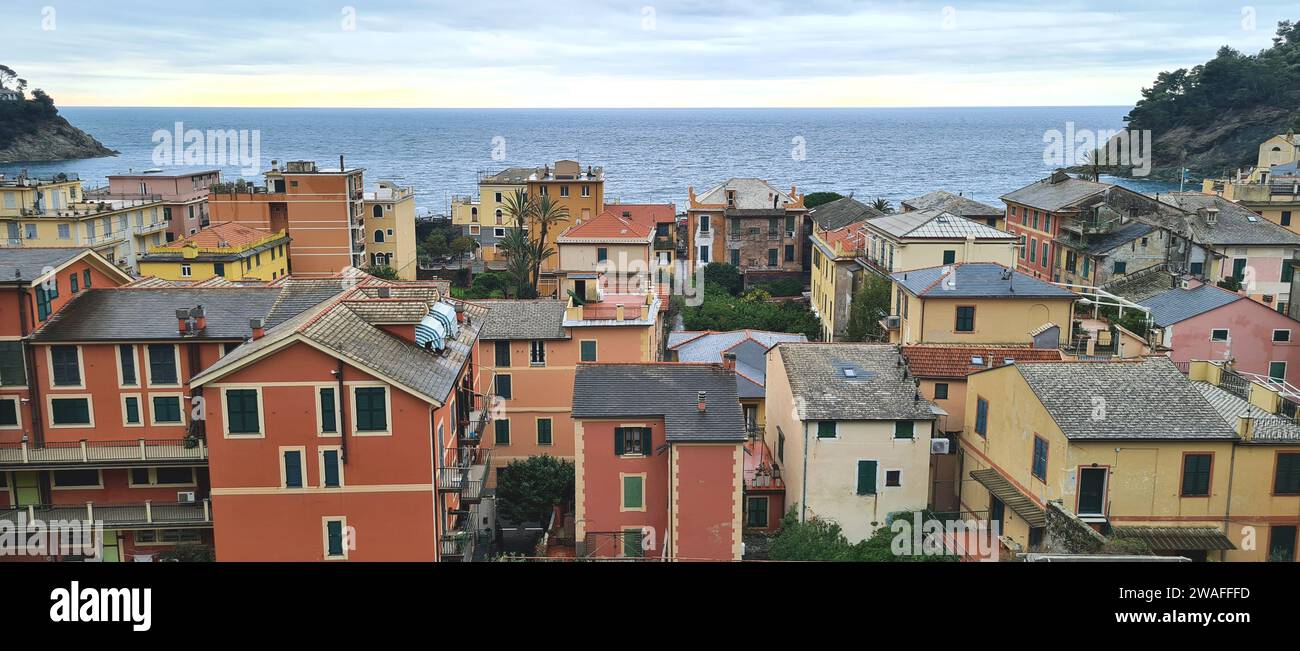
(649, 155)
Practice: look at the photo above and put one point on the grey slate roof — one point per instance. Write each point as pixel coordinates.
(952, 203)
(1106, 242)
(880, 389)
(297, 295)
(1049, 196)
(1268, 428)
(750, 194)
(842, 212)
(665, 391)
(524, 319)
(750, 347)
(976, 279)
(936, 224)
(1236, 224)
(29, 262)
(1175, 305)
(140, 314)
(1122, 400)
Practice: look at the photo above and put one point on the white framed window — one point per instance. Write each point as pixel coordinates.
(166, 409)
(334, 537)
(631, 491)
(328, 417)
(330, 465)
(498, 232)
(11, 413)
(1282, 336)
(76, 479)
(70, 410)
(132, 410)
(186, 271)
(242, 413)
(162, 477)
(371, 410)
(293, 467)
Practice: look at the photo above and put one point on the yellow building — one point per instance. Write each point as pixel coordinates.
(55, 212)
(227, 250)
(581, 192)
(926, 238)
(836, 244)
(978, 303)
(849, 435)
(484, 218)
(390, 228)
(1272, 187)
(1134, 450)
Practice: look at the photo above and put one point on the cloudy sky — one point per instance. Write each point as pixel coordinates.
(608, 53)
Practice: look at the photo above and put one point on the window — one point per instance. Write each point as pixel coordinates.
(334, 538)
(1120, 267)
(982, 417)
(501, 431)
(780, 445)
(1277, 371)
(70, 411)
(293, 470)
(76, 479)
(65, 366)
(72, 280)
(941, 391)
(756, 512)
(633, 493)
(126, 362)
(544, 431)
(1033, 250)
(602, 254)
(1281, 336)
(167, 410)
(893, 478)
(162, 477)
(162, 364)
(1219, 334)
(1286, 477)
(537, 353)
(588, 350)
(331, 471)
(966, 318)
(1286, 217)
(704, 253)
(1039, 466)
(704, 223)
(131, 410)
(1196, 474)
(13, 369)
(826, 429)
(1196, 268)
(242, 411)
(904, 429)
(186, 271)
(503, 388)
(502, 353)
(328, 411)
(631, 441)
(866, 478)
(771, 258)
(372, 409)
(949, 257)
(9, 412)
(735, 257)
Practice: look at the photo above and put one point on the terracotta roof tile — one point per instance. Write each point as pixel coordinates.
(930, 361)
(234, 235)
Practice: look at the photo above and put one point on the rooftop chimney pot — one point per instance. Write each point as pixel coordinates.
(700, 401)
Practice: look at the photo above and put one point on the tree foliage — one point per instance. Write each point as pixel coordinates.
(382, 271)
(721, 310)
(1230, 81)
(724, 276)
(823, 540)
(814, 199)
(870, 305)
(529, 489)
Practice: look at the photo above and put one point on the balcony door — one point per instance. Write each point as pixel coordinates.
(27, 488)
(1092, 491)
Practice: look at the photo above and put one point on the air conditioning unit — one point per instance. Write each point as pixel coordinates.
(893, 322)
(185, 497)
(940, 446)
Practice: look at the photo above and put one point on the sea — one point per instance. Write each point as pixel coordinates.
(648, 155)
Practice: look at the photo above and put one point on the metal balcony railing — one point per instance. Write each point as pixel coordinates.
(458, 542)
(103, 454)
(118, 516)
(464, 471)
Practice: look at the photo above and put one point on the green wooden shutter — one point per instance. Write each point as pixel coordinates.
(633, 493)
(328, 414)
(866, 478)
(647, 447)
(335, 534)
(501, 429)
(293, 469)
(904, 429)
(331, 468)
(618, 441)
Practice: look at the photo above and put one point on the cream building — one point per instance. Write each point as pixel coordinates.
(928, 238)
(390, 228)
(850, 433)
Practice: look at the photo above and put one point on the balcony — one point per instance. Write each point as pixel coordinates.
(147, 229)
(664, 243)
(458, 542)
(136, 515)
(466, 473)
(472, 422)
(103, 454)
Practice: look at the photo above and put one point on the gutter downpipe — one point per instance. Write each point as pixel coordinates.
(29, 358)
(1227, 509)
(343, 416)
(803, 489)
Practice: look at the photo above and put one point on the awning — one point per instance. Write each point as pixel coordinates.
(1170, 539)
(1002, 489)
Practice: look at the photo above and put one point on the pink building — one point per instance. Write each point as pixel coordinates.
(184, 195)
(1199, 321)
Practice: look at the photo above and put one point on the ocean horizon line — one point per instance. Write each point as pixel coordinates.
(604, 108)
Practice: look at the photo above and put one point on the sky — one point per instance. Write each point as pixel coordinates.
(612, 54)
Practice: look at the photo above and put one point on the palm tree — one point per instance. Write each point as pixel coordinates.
(548, 213)
(520, 207)
(882, 204)
(519, 252)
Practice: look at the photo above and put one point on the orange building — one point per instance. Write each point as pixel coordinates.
(660, 461)
(580, 192)
(349, 431)
(530, 350)
(319, 209)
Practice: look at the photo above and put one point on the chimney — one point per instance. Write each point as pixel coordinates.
(200, 319)
(460, 313)
(618, 312)
(341, 162)
(700, 402)
(257, 327)
(1246, 427)
(729, 361)
(182, 320)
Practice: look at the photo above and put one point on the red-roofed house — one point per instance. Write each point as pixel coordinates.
(662, 218)
(611, 248)
(227, 250)
(834, 254)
